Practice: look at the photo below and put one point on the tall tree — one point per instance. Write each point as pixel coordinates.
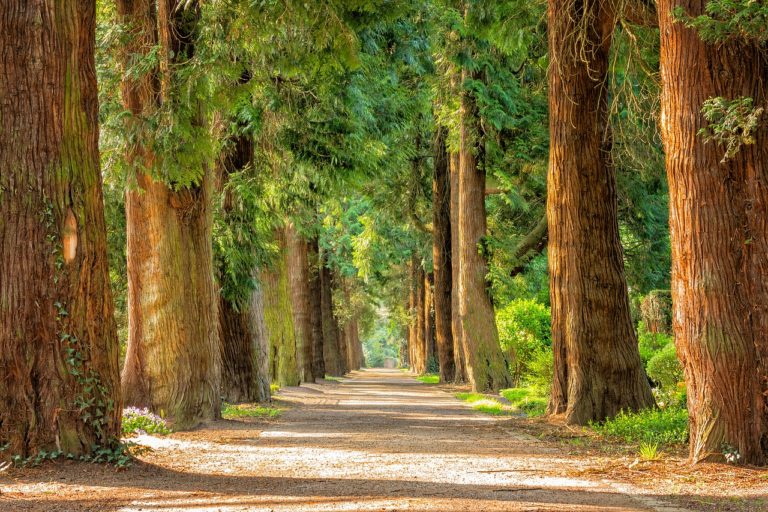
(598, 371)
(298, 275)
(718, 228)
(58, 344)
(173, 357)
(485, 364)
(441, 257)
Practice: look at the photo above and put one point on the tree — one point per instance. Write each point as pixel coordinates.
(58, 344)
(718, 226)
(485, 363)
(598, 371)
(441, 257)
(173, 360)
(298, 272)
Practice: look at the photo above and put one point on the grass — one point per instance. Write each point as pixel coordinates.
(485, 404)
(429, 378)
(651, 426)
(231, 412)
(526, 400)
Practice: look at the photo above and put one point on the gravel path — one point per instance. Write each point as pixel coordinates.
(376, 441)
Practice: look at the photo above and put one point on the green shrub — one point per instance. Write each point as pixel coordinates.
(524, 331)
(662, 426)
(143, 421)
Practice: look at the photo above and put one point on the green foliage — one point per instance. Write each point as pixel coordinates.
(732, 123)
(231, 412)
(661, 426)
(724, 20)
(524, 332)
(138, 421)
(528, 399)
(430, 378)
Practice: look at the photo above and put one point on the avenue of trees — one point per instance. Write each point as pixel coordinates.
(200, 199)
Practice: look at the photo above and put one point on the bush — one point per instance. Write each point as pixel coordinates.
(142, 421)
(662, 426)
(524, 332)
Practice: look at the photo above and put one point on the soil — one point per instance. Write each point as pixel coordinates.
(378, 440)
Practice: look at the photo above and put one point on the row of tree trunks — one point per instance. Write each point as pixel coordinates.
(719, 235)
(598, 371)
(57, 326)
(278, 316)
(299, 276)
(173, 356)
(441, 257)
(486, 365)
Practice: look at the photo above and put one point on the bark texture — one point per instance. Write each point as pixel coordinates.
(245, 350)
(719, 230)
(173, 359)
(315, 310)
(486, 365)
(278, 316)
(458, 347)
(597, 366)
(298, 275)
(334, 361)
(441, 257)
(58, 344)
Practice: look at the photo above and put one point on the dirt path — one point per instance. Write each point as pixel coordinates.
(378, 440)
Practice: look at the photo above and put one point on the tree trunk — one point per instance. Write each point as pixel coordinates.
(315, 310)
(245, 350)
(331, 351)
(441, 257)
(298, 273)
(597, 366)
(278, 316)
(718, 230)
(486, 365)
(58, 341)
(458, 347)
(244, 344)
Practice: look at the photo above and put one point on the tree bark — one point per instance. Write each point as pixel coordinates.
(315, 310)
(244, 343)
(173, 359)
(298, 273)
(486, 365)
(332, 355)
(441, 257)
(278, 316)
(597, 366)
(458, 346)
(718, 231)
(245, 350)
(58, 341)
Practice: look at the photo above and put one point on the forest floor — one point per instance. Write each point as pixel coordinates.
(378, 440)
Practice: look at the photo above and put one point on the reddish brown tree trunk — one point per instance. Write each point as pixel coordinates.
(598, 371)
(298, 275)
(718, 227)
(486, 365)
(58, 343)
(334, 365)
(315, 310)
(441, 257)
(173, 359)
(458, 347)
(278, 317)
